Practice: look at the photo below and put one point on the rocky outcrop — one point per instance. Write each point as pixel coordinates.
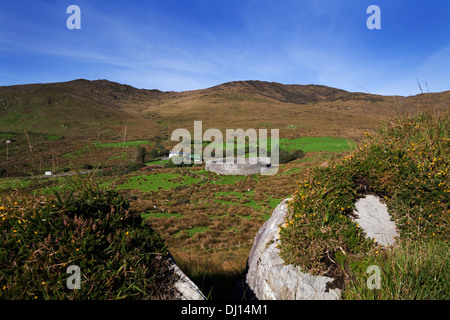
(270, 279)
(374, 219)
(187, 290)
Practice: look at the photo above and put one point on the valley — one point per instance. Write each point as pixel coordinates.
(96, 129)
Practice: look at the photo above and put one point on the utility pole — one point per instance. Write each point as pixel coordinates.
(28, 139)
(7, 149)
(53, 159)
(125, 134)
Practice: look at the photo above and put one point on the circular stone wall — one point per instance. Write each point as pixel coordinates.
(239, 166)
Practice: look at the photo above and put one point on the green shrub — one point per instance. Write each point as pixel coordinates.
(406, 163)
(140, 154)
(120, 256)
(88, 166)
(288, 156)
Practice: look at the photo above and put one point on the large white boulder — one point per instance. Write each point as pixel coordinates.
(374, 219)
(270, 279)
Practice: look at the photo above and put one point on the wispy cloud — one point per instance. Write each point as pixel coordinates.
(435, 70)
(183, 45)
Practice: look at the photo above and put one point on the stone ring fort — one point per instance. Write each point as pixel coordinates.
(239, 166)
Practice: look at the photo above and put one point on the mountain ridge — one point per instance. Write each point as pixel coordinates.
(63, 117)
(104, 107)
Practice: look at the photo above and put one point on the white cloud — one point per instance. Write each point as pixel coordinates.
(435, 70)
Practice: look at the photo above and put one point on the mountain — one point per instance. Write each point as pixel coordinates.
(74, 108)
(55, 119)
(294, 109)
(83, 107)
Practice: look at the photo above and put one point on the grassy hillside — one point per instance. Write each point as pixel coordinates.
(208, 221)
(406, 163)
(63, 109)
(50, 125)
(119, 256)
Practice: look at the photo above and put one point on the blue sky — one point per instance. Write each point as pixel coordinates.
(184, 45)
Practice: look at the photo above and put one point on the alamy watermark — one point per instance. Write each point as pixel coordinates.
(74, 281)
(191, 150)
(74, 20)
(374, 21)
(374, 280)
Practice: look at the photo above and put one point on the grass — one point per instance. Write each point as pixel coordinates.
(246, 199)
(406, 163)
(190, 232)
(315, 144)
(193, 231)
(126, 144)
(159, 215)
(196, 202)
(155, 182)
(121, 156)
(412, 271)
(53, 137)
(215, 272)
(157, 162)
(14, 184)
(222, 180)
(78, 153)
(6, 136)
(40, 237)
(239, 198)
(205, 214)
(109, 145)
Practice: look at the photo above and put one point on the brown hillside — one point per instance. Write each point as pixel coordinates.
(61, 118)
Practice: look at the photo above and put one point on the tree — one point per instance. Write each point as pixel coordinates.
(139, 156)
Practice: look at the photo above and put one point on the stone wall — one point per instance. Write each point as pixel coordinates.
(257, 165)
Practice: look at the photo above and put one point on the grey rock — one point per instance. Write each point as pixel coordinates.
(374, 219)
(270, 279)
(187, 290)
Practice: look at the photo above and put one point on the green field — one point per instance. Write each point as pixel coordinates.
(306, 144)
(315, 144)
(155, 182)
(157, 162)
(238, 198)
(14, 183)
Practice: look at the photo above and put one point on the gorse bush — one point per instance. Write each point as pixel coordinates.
(120, 257)
(406, 163)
